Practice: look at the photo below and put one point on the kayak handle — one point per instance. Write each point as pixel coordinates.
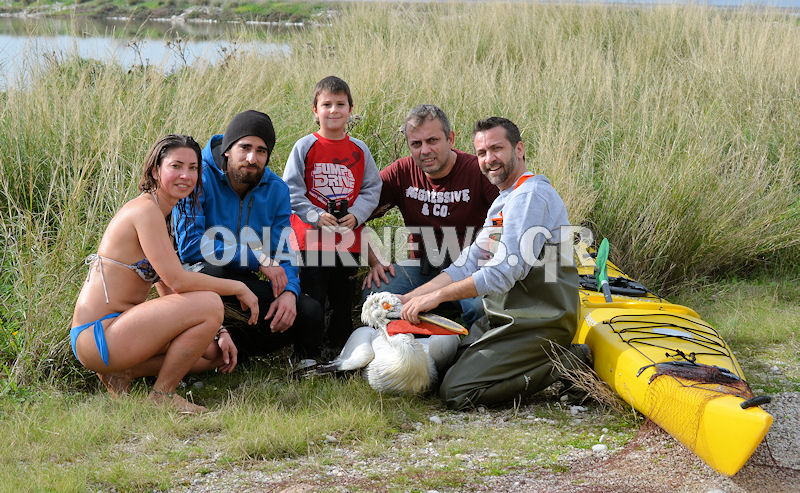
(756, 401)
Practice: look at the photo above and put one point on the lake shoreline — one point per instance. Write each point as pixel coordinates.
(251, 13)
(270, 14)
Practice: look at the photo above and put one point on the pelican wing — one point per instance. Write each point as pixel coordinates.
(400, 365)
(442, 349)
(357, 351)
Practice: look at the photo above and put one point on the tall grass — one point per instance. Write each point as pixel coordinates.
(671, 130)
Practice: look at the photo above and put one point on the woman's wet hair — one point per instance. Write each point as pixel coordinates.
(156, 156)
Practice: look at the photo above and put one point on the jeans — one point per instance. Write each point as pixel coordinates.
(409, 276)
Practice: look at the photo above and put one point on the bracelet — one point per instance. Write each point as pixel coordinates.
(221, 330)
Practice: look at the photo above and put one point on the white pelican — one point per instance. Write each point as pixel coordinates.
(395, 360)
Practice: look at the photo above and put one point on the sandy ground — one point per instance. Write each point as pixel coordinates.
(653, 461)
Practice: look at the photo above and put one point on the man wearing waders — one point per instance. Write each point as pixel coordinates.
(529, 294)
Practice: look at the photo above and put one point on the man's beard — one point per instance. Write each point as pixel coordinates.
(239, 175)
(498, 180)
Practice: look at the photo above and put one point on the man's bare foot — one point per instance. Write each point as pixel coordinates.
(118, 384)
(176, 402)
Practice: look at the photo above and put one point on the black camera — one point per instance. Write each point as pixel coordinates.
(337, 208)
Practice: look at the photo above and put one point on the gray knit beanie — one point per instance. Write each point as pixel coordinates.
(250, 122)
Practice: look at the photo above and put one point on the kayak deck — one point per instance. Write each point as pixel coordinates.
(675, 369)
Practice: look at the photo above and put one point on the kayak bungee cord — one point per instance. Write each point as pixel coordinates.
(710, 339)
(707, 377)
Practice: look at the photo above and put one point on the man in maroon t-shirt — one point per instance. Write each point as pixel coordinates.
(443, 197)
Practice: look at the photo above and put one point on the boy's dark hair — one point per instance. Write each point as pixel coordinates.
(512, 132)
(333, 85)
(423, 112)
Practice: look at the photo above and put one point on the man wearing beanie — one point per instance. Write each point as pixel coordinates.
(237, 233)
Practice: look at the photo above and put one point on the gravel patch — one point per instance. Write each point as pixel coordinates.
(651, 461)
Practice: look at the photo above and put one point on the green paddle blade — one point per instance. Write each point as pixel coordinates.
(601, 269)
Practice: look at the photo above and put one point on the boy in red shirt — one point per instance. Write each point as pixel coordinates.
(334, 186)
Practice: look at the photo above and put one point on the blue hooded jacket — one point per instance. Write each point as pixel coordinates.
(239, 225)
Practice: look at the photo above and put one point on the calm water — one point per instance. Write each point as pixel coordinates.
(128, 43)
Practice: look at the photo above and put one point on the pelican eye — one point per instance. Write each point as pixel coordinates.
(387, 305)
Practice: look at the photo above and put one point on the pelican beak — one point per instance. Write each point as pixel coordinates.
(442, 322)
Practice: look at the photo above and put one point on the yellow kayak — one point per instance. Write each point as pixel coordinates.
(672, 367)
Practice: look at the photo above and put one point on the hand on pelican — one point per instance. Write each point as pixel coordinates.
(394, 360)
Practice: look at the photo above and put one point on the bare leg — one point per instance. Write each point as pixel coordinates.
(182, 324)
(212, 351)
(119, 383)
(184, 351)
(209, 360)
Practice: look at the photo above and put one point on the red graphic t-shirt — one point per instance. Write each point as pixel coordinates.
(334, 170)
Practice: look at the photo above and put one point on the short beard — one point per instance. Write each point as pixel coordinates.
(498, 180)
(435, 170)
(235, 174)
(247, 179)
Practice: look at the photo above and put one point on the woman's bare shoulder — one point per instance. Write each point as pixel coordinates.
(139, 206)
(130, 214)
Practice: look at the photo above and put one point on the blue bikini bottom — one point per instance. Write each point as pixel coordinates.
(99, 336)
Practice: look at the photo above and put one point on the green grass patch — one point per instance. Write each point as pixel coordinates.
(74, 441)
(142, 9)
(260, 419)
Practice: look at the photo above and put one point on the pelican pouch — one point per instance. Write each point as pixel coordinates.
(507, 353)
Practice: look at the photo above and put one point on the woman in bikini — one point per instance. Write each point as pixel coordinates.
(120, 334)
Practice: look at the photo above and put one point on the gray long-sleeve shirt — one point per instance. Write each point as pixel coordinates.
(531, 214)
